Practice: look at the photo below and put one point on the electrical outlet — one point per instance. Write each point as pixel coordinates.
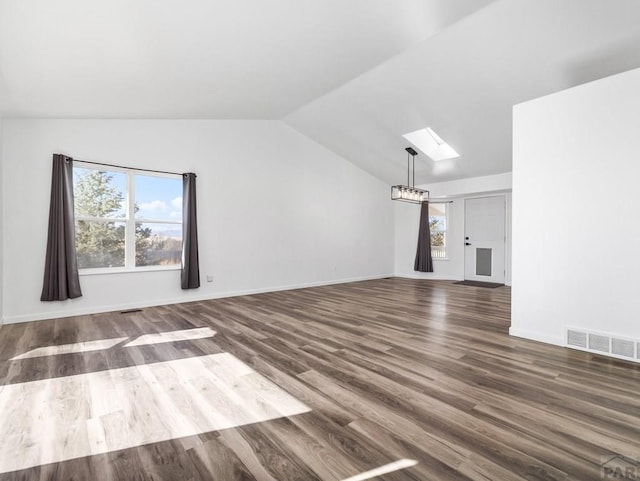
(209, 278)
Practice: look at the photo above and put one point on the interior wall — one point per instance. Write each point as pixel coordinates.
(1, 229)
(575, 211)
(275, 209)
(407, 223)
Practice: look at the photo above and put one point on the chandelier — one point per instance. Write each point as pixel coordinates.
(409, 192)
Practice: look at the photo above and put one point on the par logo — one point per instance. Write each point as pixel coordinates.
(619, 467)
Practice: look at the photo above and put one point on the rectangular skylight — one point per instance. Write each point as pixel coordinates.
(431, 144)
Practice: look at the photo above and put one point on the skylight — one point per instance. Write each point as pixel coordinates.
(431, 144)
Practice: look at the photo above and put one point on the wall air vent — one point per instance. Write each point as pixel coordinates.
(577, 338)
(598, 343)
(622, 347)
(603, 343)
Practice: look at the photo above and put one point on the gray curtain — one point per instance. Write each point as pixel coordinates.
(190, 271)
(423, 262)
(61, 266)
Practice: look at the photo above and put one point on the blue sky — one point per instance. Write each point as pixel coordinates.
(158, 198)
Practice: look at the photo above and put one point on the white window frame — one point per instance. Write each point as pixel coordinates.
(444, 231)
(130, 221)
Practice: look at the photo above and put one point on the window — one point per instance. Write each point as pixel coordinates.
(126, 220)
(438, 228)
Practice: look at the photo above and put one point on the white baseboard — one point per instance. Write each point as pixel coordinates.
(194, 298)
(428, 278)
(536, 336)
(435, 277)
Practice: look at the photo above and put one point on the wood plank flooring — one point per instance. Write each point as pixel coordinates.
(418, 373)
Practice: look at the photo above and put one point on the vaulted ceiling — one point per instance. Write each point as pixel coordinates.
(353, 75)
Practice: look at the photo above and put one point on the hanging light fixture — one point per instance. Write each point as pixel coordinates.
(409, 192)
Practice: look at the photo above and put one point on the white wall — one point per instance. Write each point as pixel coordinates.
(576, 211)
(406, 226)
(1, 229)
(275, 209)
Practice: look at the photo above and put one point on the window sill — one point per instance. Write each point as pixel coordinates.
(125, 270)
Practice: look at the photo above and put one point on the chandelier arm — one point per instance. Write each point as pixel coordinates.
(408, 168)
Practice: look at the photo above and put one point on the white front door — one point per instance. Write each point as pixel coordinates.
(484, 220)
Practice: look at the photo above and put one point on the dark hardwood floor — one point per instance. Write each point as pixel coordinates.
(392, 369)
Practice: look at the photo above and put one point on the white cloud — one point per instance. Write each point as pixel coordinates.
(153, 206)
(177, 203)
(175, 214)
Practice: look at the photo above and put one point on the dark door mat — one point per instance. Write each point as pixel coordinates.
(490, 285)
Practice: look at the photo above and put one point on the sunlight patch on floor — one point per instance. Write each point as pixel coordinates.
(172, 336)
(386, 469)
(99, 345)
(57, 419)
(76, 347)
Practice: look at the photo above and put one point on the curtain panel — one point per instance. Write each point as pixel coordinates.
(424, 262)
(61, 279)
(190, 277)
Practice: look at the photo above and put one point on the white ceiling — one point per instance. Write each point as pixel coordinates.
(464, 82)
(198, 58)
(352, 74)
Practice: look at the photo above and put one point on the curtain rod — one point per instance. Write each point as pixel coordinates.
(131, 168)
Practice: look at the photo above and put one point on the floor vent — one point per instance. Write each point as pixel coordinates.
(602, 343)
